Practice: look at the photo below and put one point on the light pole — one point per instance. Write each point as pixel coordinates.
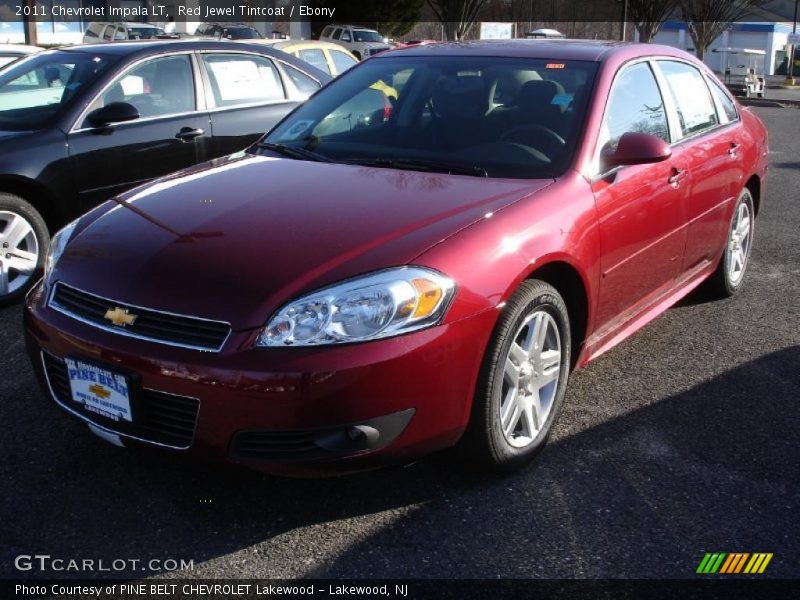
(790, 64)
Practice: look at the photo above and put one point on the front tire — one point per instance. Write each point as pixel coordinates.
(523, 379)
(728, 279)
(24, 241)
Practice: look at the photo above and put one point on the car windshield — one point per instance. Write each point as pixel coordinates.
(144, 33)
(506, 117)
(361, 35)
(241, 33)
(34, 90)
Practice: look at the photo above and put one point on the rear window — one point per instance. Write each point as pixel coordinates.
(696, 111)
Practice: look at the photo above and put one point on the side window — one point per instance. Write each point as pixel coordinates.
(635, 105)
(316, 58)
(121, 34)
(109, 32)
(243, 79)
(304, 83)
(337, 34)
(326, 32)
(346, 36)
(90, 33)
(696, 111)
(159, 87)
(728, 107)
(342, 60)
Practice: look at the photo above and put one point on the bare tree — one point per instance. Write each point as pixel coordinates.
(649, 16)
(456, 16)
(707, 19)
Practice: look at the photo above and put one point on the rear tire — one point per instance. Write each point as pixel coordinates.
(24, 240)
(728, 279)
(523, 379)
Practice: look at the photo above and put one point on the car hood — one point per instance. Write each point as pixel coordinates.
(236, 238)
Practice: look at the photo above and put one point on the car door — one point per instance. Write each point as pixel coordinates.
(248, 96)
(171, 133)
(711, 141)
(641, 208)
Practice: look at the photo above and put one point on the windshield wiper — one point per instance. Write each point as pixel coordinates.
(296, 153)
(429, 166)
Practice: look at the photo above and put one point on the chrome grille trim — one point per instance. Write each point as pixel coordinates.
(52, 303)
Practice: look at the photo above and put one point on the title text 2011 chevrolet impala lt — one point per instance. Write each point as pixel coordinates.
(375, 281)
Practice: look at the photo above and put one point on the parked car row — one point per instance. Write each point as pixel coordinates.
(416, 256)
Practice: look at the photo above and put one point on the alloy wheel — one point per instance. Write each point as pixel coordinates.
(531, 371)
(739, 243)
(19, 252)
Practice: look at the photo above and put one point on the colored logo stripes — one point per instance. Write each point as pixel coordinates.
(734, 562)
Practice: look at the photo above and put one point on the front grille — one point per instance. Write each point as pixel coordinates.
(159, 418)
(152, 325)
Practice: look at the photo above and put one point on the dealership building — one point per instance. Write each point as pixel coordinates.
(769, 37)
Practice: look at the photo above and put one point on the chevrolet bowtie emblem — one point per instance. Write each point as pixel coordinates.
(99, 391)
(120, 316)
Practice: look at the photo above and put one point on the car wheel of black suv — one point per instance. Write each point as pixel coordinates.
(523, 379)
(24, 241)
(729, 276)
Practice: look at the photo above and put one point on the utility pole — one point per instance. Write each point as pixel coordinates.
(790, 64)
(29, 23)
(623, 24)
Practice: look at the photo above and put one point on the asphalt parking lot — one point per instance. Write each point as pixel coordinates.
(683, 440)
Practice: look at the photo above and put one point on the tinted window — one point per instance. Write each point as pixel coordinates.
(337, 34)
(304, 83)
(241, 33)
(32, 91)
(91, 34)
(109, 32)
(326, 32)
(693, 102)
(438, 109)
(635, 105)
(342, 60)
(159, 87)
(728, 107)
(363, 35)
(243, 79)
(345, 36)
(315, 57)
(7, 58)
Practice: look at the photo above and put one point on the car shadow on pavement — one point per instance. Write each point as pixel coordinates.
(714, 468)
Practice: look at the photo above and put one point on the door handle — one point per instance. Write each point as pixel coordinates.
(187, 134)
(734, 148)
(677, 175)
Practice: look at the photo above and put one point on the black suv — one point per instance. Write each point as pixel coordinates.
(81, 124)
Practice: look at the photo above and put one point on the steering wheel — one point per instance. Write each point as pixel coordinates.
(522, 135)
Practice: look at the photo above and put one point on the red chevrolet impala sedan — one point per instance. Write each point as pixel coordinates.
(417, 256)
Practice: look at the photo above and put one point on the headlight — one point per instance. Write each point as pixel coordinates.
(57, 245)
(375, 306)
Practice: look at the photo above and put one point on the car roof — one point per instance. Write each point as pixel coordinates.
(302, 45)
(565, 49)
(131, 47)
(21, 48)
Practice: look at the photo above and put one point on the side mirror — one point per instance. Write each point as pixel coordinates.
(635, 149)
(116, 112)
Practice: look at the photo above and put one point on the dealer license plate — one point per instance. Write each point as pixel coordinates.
(100, 391)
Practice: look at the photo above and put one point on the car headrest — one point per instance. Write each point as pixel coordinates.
(461, 97)
(539, 95)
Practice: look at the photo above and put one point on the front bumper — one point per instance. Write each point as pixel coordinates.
(298, 411)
